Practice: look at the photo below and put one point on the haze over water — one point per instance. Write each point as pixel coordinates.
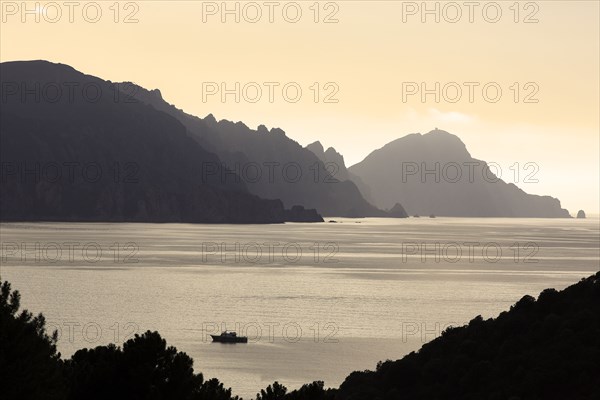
(375, 289)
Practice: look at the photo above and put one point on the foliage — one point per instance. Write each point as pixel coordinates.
(544, 349)
(145, 368)
(28, 356)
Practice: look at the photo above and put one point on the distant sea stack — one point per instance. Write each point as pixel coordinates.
(398, 211)
(581, 214)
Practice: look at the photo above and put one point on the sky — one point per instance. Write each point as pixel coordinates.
(518, 82)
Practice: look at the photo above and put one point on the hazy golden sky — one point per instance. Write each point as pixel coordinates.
(368, 53)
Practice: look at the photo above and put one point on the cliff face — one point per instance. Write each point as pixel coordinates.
(271, 164)
(331, 157)
(98, 155)
(435, 174)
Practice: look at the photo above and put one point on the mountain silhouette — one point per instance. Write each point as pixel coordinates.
(76, 148)
(335, 161)
(257, 153)
(158, 163)
(434, 174)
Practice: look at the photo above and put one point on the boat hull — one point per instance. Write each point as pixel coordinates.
(229, 339)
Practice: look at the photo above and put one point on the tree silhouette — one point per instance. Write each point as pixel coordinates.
(30, 366)
(276, 391)
(146, 368)
(545, 349)
(312, 391)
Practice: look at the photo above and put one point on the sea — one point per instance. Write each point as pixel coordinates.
(316, 301)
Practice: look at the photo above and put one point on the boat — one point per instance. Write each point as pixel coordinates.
(229, 337)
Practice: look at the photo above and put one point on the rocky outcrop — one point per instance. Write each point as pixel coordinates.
(300, 214)
(334, 162)
(398, 211)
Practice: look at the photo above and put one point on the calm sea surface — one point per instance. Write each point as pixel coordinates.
(317, 301)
